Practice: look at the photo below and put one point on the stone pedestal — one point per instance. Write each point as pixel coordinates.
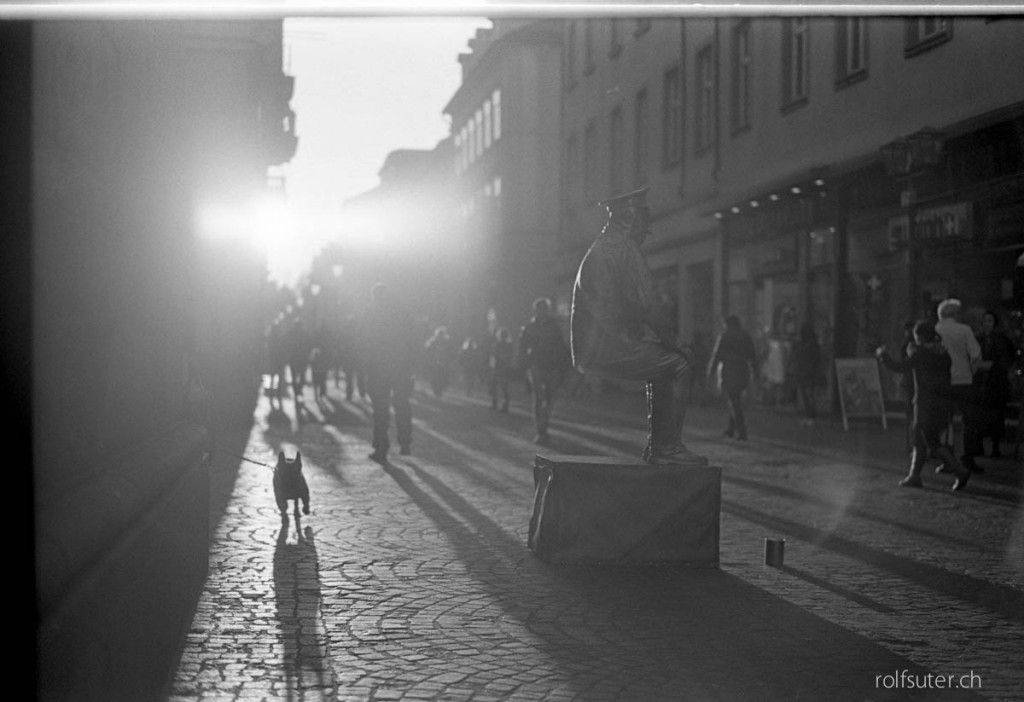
(591, 509)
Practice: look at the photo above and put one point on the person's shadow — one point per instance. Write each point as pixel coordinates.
(297, 597)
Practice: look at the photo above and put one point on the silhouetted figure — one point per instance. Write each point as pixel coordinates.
(993, 380)
(805, 369)
(501, 362)
(440, 354)
(297, 348)
(734, 360)
(928, 363)
(277, 360)
(391, 347)
(546, 358)
(617, 331)
(472, 362)
(352, 352)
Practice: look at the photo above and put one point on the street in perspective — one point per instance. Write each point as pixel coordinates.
(412, 579)
(601, 351)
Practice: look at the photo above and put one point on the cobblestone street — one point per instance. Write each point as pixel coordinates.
(413, 581)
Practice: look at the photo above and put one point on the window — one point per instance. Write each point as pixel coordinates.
(487, 124)
(616, 145)
(672, 118)
(570, 56)
(458, 154)
(851, 50)
(640, 138)
(795, 62)
(496, 102)
(924, 33)
(704, 107)
(614, 37)
(572, 172)
(471, 136)
(588, 47)
(464, 155)
(742, 70)
(479, 118)
(589, 155)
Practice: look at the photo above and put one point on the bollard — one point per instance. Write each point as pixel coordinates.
(774, 552)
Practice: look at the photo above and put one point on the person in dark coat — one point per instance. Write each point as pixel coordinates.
(805, 369)
(391, 345)
(546, 358)
(929, 363)
(619, 331)
(993, 380)
(298, 346)
(735, 361)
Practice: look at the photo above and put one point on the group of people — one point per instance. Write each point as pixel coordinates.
(380, 355)
(948, 370)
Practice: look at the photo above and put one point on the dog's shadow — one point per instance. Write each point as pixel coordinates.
(297, 596)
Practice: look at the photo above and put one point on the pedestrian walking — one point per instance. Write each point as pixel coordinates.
(929, 363)
(546, 358)
(391, 356)
(352, 358)
(619, 331)
(907, 383)
(734, 363)
(501, 362)
(471, 362)
(805, 369)
(298, 346)
(277, 360)
(993, 381)
(440, 354)
(964, 353)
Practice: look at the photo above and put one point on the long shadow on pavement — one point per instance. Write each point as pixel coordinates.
(297, 598)
(650, 633)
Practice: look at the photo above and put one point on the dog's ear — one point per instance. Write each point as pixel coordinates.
(280, 457)
(298, 456)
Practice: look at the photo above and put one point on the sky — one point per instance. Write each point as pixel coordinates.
(364, 87)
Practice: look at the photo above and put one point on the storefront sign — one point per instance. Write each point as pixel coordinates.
(943, 223)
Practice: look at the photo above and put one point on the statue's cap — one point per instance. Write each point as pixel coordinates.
(635, 198)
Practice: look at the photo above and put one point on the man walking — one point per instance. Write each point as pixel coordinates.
(391, 353)
(545, 357)
(617, 332)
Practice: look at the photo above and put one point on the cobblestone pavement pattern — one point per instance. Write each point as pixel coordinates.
(412, 580)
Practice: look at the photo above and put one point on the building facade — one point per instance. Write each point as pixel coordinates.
(134, 128)
(505, 125)
(846, 171)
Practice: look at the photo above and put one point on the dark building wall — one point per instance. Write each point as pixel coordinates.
(136, 127)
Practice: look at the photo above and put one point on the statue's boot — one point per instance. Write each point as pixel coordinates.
(666, 406)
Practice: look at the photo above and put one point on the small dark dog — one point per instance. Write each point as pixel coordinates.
(290, 484)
